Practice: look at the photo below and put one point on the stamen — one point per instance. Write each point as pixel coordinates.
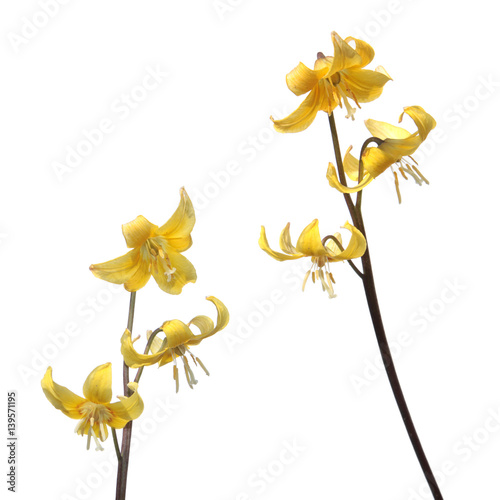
(305, 280)
(419, 173)
(396, 182)
(401, 169)
(176, 378)
(203, 366)
(413, 159)
(89, 437)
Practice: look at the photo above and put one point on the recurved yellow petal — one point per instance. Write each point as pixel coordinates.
(344, 56)
(364, 50)
(365, 84)
(286, 242)
(302, 79)
(309, 242)
(61, 398)
(304, 115)
(132, 358)
(118, 270)
(97, 387)
(137, 231)
(222, 321)
(173, 282)
(128, 408)
(424, 121)
(356, 247)
(178, 228)
(334, 182)
(203, 323)
(263, 243)
(384, 130)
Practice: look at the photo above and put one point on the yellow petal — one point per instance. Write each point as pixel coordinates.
(142, 272)
(222, 321)
(128, 408)
(424, 121)
(302, 79)
(263, 243)
(203, 323)
(309, 242)
(118, 270)
(176, 332)
(344, 56)
(178, 228)
(132, 358)
(97, 387)
(137, 231)
(333, 180)
(384, 130)
(156, 345)
(364, 50)
(356, 247)
(286, 241)
(173, 283)
(351, 165)
(60, 397)
(365, 84)
(304, 115)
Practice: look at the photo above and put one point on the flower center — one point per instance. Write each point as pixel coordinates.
(93, 423)
(160, 261)
(320, 270)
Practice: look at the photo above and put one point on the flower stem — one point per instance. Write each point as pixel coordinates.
(385, 351)
(121, 479)
(378, 325)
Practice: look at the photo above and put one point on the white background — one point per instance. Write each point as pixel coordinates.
(283, 373)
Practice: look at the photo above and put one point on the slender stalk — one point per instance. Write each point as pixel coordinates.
(117, 446)
(378, 326)
(121, 479)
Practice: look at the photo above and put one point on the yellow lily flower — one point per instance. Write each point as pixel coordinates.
(396, 147)
(94, 411)
(333, 81)
(178, 339)
(156, 251)
(310, 244)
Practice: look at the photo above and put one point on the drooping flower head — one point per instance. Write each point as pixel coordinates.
(333, 82)
(311, 245)
(94, 411)
(156, 251)
(396, 147)
(176, 344)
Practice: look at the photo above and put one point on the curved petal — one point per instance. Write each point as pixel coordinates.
(334, 182)
(351, 165)
(365, 84)
(302, 79)
(355, 248)
(364, 50)
(156, 344)
(305, 114)
(178, 228)
(177, 333)
(118, 270)
(263, 243)
(97, 387)
(424, 121)
(222, 321)
(132, 358)
(174, 282)
(60, 397)
(128, 408)
(137, 231)
(384, 130)
(344, 56)
(376, 160)
(309, 242)
(203, 323)
(286, 242)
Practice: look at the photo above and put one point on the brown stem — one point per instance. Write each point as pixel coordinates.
(121, 479)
